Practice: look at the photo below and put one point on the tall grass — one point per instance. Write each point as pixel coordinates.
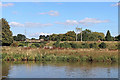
(39, 54)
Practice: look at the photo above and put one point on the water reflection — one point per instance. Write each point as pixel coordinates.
(59, 70)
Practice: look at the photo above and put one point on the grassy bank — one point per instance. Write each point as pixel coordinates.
(40, 54)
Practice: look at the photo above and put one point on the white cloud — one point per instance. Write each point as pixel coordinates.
(16, 24)
(38, 34)
(51, 13)
(69, 22)
(90, 21)
(29, 24)
(117, 4)
(86, 22)
(6, 4)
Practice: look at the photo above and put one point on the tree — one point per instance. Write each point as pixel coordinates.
(85, 34)
(108, 36)
(15, 38)
(42, 37)
(32, 38)
(19, 37)
(70, 36)
(7, 38)
(117, 38)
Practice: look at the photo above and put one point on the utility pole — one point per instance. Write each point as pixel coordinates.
(81, 34)
(78, 30)
(76, 36)
(25, 34)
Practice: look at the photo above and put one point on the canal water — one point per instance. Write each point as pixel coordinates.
(59, 70)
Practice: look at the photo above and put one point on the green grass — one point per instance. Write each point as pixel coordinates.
(39, 54)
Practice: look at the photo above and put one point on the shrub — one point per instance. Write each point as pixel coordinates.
(93, 45)
(15, 44)
(21, 44)
(57, 43)
(67, 45)
(35, 45)
(42, 45)
(85, 45)
(102, 45)
(119, 46)
(62, 45)
(44, 42)
(73, 45)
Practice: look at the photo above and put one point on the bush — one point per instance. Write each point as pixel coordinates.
(84, 45)
(73, 45)
(65, 45)
(93, 45)
(57, 43)
(42, 45)
(35, 45)
(62, 45)
(15, 44)
(119, 46)
(102, 45)
(21, 44)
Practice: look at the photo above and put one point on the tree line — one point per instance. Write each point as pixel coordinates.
(87, 35)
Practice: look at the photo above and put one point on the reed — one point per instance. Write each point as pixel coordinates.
(40, 54)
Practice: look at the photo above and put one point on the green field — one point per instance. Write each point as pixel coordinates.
(41, 54)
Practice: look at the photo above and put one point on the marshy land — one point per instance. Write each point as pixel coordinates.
(70, 51)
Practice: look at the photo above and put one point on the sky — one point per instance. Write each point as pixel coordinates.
(45, 18)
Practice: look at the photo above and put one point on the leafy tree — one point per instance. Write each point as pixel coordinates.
(117, 38)
(85, 35)
(97, 36)
(70, 36)
(7, 38)
(19, 37)
(108, 36)
(47, 37)
(42, 37)
(15, 38)
(54, 37)
(32, 38)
